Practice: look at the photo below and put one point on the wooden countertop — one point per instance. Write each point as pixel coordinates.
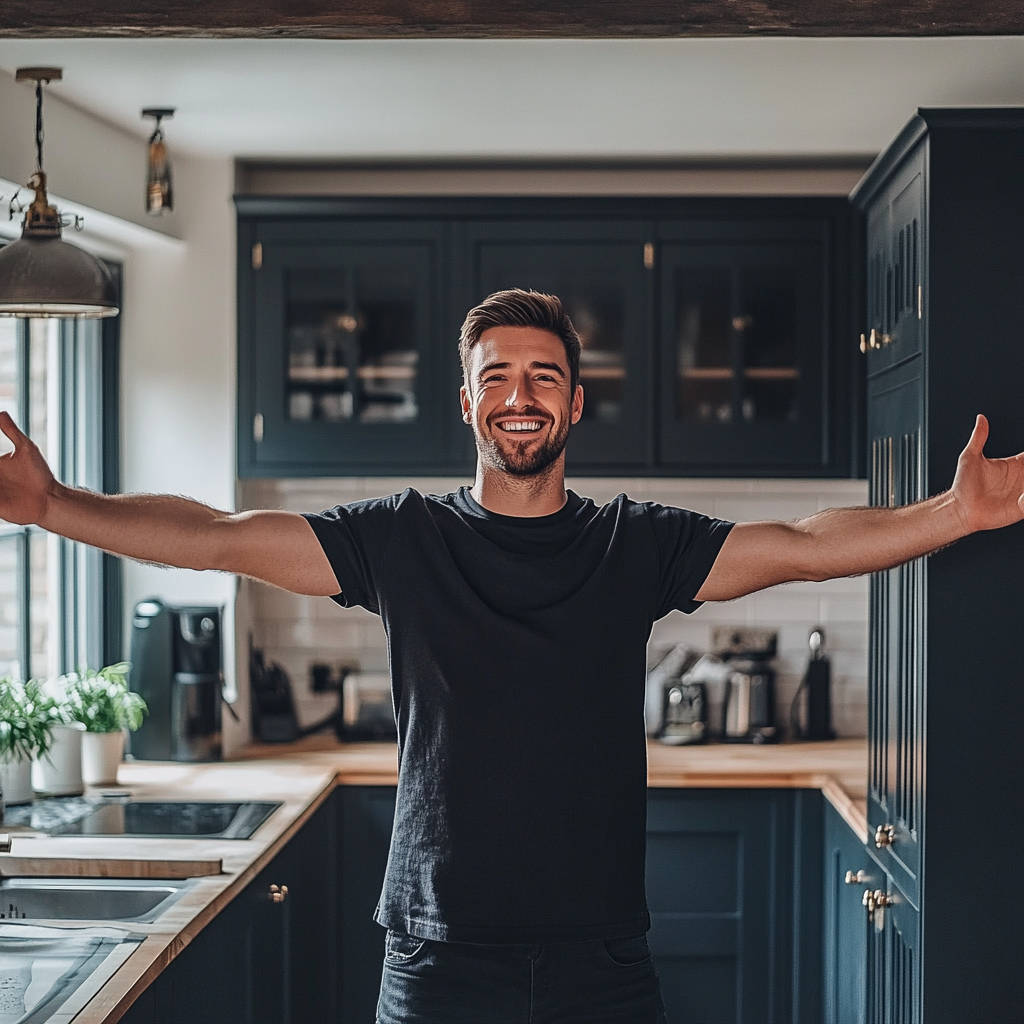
(302, 775)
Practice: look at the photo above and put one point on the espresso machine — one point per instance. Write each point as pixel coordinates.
(177, 669)
(748, 714)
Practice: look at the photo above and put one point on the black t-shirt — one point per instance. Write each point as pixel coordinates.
(518, 655)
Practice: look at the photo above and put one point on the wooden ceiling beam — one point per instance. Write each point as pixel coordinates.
(388, 19)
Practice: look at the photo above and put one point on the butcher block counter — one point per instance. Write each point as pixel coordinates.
(302, 775)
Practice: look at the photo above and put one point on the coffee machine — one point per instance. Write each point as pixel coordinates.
(748, 714)
(177, 668)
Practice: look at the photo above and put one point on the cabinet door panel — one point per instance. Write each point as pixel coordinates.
(366, 820)
(711, 893)
(846, 921)
(896, 633)
(345, 367)
(743, 354)
(896, 269)
(598, 272)
(894, 961)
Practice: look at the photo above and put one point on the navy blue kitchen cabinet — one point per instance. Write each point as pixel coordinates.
(734, 891)
(941, 343)
(848, 872)
(717, 334)
(343, 365)
(894, 957)
(367, 814)
(744, 356)
(896, 655)
(270, 956)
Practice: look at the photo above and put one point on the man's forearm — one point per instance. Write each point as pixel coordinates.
(831, 544)
(854, 541)
(159, 528)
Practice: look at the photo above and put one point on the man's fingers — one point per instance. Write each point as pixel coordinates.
(976, 445)
(10, 429)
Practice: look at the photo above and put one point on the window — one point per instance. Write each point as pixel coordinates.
(60, 601)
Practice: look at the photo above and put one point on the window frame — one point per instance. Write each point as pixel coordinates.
(104, 642)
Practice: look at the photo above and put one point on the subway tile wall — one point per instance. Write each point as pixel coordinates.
(297, 631)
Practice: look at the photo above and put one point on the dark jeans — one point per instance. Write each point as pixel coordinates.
(611, 981)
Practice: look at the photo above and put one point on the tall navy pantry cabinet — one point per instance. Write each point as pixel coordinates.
(944, 340)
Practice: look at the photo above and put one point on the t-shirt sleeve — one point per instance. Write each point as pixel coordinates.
(688, 544)
(355, 539)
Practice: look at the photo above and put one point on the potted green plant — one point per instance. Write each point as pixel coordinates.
(102, 702)
(28, 717)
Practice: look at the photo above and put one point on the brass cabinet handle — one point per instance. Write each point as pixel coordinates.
(855, 877)
(876, 899)
(278, 893)
(884, 836)
(863, 343)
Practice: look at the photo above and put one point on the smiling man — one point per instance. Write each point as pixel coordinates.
(517, 616)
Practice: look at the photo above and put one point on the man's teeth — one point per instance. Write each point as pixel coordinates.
(521, 425)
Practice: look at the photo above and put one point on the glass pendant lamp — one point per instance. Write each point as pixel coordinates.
(41, 275)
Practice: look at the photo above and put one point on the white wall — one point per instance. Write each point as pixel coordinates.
(178, 377)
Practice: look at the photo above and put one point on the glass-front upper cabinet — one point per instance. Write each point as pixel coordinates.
(743, 354)
(597, 270)
(345, 360)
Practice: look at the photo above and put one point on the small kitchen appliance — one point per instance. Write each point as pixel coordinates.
(686, 714)
(749, 708)
(177, 668)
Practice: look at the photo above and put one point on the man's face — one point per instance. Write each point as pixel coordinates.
(517, 399)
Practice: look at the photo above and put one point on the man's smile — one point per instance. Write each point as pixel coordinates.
(519, 426)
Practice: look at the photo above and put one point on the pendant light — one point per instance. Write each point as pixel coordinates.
(41, 275)
(159, 194)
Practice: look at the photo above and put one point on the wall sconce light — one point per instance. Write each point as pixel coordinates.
(159, 194)
(41, 275)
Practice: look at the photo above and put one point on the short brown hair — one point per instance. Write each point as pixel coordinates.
(519, 308)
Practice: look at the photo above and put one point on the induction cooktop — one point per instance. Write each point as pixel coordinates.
(142, 819)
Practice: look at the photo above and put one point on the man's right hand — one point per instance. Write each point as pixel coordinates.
(279, 548)
(25, 478)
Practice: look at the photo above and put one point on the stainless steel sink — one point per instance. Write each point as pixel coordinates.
(87, 899)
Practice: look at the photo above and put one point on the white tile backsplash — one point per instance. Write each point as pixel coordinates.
(297, 631)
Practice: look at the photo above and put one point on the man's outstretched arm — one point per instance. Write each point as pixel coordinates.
(986, 494)
(275, 547)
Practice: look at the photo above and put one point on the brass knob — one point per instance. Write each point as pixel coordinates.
(884, 836)
(278, 893)
(876, 899)
(855, 877)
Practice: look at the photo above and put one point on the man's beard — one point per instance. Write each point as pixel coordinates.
(521, 458)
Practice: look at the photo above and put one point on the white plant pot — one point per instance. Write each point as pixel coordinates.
(102, 752)
(59, 771)
(16, 782)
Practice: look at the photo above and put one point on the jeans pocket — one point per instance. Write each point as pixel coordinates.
(401, 948)
(628, 952)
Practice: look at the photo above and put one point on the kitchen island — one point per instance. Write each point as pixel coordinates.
(303, 776)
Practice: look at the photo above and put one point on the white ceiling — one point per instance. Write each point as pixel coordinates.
(685, 98)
